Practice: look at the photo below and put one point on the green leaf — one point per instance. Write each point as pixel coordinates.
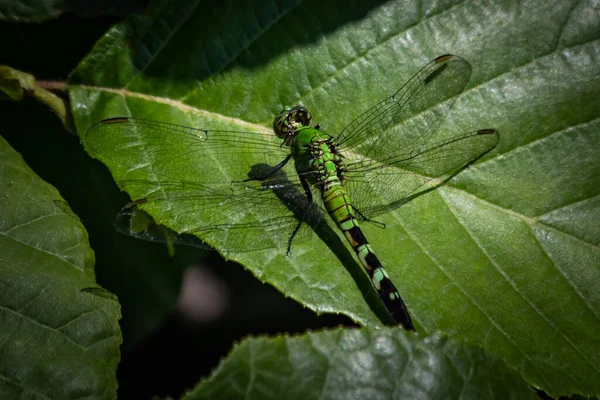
(59, 338)
(360, 363)
(43, 10)
(31, 10)
(13, 83)
(142, 275)
(505, 255)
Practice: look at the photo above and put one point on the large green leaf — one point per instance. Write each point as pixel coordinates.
(360, 364)
(505, 255)
(59, 332)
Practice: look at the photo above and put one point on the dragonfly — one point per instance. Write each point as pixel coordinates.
(248, 191)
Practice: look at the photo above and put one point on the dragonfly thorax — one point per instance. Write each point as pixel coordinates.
(289, 120)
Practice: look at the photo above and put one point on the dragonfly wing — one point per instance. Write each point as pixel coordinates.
(147, 149)
(407, 120)
(192, 181)
(376, 187)
(243, 216)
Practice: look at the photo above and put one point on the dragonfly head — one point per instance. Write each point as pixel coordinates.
(289, 120)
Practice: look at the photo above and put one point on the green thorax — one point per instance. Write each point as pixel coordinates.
(314, 150)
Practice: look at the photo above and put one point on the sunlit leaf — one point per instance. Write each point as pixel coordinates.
(505, 255)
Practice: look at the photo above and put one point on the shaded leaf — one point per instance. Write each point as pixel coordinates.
(31, 10)
(365, 363)
(142, 275)
(13, 83)
(57, 340)
(43, 10)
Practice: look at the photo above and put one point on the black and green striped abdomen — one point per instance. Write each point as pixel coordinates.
(316, 159)
(337, 204)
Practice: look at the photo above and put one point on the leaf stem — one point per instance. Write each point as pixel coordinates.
(15, 84)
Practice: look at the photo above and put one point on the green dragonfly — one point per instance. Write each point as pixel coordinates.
(247, 191)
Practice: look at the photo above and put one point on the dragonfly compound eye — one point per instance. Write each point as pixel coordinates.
(290, 120)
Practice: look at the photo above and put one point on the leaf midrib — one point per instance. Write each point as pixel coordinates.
(265, 131)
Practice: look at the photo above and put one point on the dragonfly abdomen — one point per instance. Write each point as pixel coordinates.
(316, 148)
(337, 204)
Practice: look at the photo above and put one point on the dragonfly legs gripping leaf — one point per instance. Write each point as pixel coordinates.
(305, 186)
(372, 221)
(309, 198)
(273, 170)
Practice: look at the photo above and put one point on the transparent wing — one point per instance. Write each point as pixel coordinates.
(407, 121)
(175, 152)
(195, 181)
(394, 150)
(376, 187)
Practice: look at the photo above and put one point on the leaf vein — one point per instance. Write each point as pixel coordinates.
(515, 287)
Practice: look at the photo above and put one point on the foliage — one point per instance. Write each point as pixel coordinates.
(504, 257)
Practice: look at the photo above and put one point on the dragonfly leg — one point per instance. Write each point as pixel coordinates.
(378, 223)
(309, 199)
(273, 171)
